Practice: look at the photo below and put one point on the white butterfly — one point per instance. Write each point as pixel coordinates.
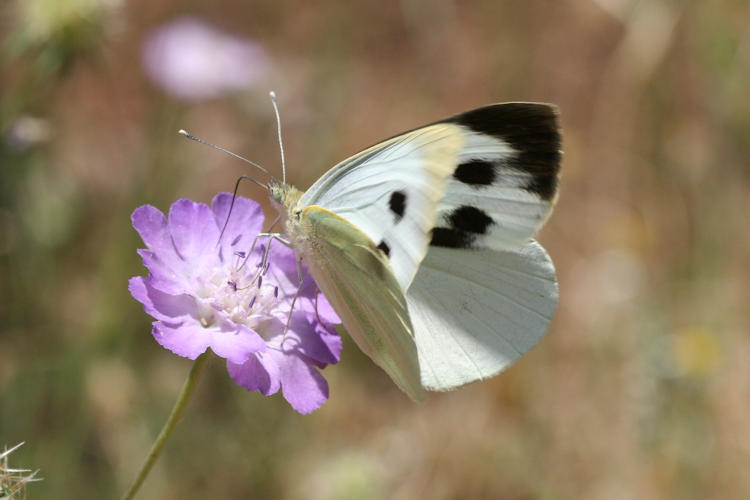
(423, 243)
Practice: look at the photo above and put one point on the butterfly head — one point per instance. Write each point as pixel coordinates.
(284, 197)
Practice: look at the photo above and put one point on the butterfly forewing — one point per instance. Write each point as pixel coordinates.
(391, 192)
(504, 185)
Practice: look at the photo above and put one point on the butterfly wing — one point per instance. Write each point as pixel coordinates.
(484, 294)
(391, 192)
(486, 178)
(504, 185)
(357, 280)
(475, 312)
(452, 206)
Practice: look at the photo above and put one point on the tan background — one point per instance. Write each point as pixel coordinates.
(641, 389)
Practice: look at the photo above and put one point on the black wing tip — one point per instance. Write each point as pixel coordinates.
(543, 185)
(498, 118)
(532, 130)
(526, 126)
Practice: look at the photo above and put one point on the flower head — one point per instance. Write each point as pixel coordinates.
(206, 292)
(13, 481)
(193, 61)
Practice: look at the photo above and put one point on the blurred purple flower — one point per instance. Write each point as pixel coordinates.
(193, 61)
(208, 295)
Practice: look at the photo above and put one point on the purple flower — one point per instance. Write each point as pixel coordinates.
(206, 293)
(193, 61)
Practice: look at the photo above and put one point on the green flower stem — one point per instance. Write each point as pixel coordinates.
(170, 424)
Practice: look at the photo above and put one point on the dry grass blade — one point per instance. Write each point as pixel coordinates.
(13, 481)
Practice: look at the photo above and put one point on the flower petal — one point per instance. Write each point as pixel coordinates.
(194, 233)
(160, 305)
(242, 225)
(301, 383)
(253, 375)
(153, 228)
(184, 339)
(189, 338)
(283, 270)
(322, 309)
(161, 257)
(163, 276)
(334, 343)
(325, 311)
(236, 346)
(305, 336)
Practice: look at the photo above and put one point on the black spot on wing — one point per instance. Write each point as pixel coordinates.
(476, 173)
(383, 246)
(451, 238)
(470, 219)
(465, 222)
(397, 204)
(532, 130)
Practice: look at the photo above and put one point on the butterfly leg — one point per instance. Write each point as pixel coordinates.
(317, 315)
(294, 300)
(275, 221)
(271, 237)
(246, 256)
(264, 265)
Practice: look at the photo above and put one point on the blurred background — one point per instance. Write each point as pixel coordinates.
(641, 389)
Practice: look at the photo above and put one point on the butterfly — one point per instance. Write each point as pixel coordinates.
(423, 244)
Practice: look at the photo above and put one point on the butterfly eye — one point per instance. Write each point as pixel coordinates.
(297, 214)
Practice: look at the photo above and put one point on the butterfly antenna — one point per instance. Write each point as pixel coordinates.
(278, 129)
(234, 197)
(197, 139)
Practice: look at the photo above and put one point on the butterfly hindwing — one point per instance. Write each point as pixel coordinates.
(357, 280)
(475, 312)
